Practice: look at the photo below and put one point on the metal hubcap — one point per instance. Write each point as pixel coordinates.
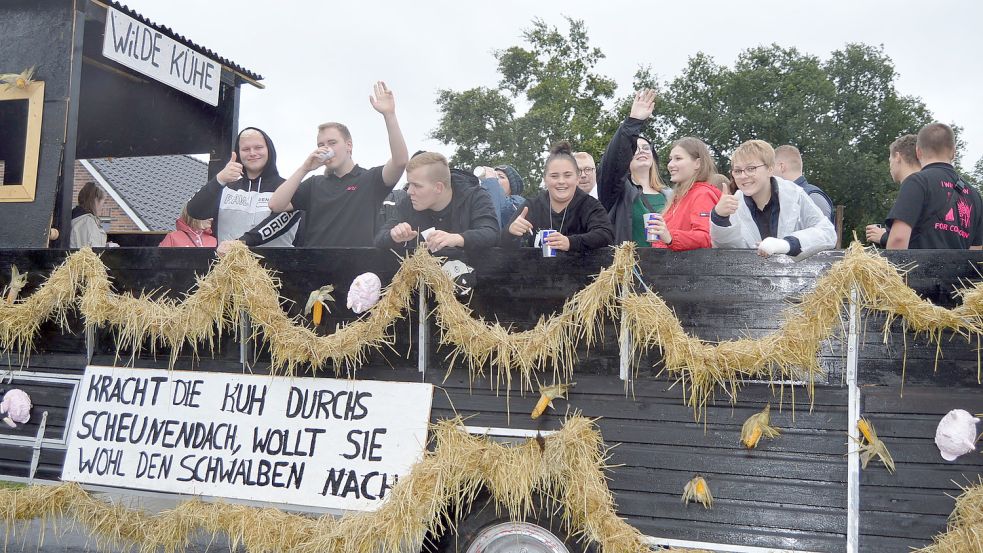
(517, 537)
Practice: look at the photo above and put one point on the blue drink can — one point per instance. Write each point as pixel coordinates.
(547, 250)
(648, 219)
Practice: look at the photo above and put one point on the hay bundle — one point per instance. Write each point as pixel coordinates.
(965, 529)
(566, 468)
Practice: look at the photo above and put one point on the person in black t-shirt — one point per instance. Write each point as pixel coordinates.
(902, 161)
(341, 205)
(935, 208)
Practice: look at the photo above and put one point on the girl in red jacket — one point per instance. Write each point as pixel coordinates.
(685, 225)
(190, 233)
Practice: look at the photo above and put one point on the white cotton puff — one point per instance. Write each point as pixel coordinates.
(364, 292)
(956, 434)
(16, 405)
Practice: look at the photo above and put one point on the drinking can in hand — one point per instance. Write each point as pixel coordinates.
(648, 219)
(547, 250)
(325, 156)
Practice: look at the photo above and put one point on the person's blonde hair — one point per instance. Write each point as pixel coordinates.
(755, 149)
(89, 197)
(435, 164)
(345, 133)
(789, 155)
(196, 224)
(696, 149)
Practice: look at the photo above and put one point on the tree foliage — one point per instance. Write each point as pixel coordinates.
(553, 77)
(842, 112)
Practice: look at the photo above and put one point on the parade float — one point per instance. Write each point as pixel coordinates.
(617, 401)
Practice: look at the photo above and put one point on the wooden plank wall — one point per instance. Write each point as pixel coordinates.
(788, 493)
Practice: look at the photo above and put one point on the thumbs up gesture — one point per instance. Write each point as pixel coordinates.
(727, 205)
(231, 173)
(521, 226)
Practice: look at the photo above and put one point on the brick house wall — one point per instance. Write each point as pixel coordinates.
(119, 220)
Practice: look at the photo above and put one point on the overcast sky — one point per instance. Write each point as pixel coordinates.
(320, 59)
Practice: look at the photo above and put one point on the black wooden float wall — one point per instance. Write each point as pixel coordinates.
(789, 493)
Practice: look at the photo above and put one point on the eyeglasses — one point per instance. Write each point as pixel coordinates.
(749, 170)
(585, 171)
(643, 147)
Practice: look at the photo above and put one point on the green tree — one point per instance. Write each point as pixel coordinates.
(554, 77)
(977, 174)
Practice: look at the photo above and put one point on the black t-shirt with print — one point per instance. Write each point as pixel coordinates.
(341, 211)
(941, 214)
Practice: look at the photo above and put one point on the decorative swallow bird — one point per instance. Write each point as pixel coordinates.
(17, 283)
(317, 302)
(18, 80)
(547, 395)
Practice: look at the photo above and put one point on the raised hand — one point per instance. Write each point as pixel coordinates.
(402, 232)
(643, 105)
(726, 206)
(383, 101)
(231, 172)
(558, 242)
(521, 226)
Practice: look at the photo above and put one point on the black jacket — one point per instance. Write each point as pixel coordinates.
(239, 209)
(585, 224)
(470, 214)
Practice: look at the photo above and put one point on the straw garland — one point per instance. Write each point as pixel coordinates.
(965, 529)
(566, 468)
(784, 354)
(238, 283)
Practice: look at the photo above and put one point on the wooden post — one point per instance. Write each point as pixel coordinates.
(839, 226)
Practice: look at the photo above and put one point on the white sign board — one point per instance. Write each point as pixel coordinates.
(160, 57)
(321, 442)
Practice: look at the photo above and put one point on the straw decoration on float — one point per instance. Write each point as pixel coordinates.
(238, 284)
(567, 471)
(965, 529)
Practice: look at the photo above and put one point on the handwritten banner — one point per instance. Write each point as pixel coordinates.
(318, 442)
(160, 57)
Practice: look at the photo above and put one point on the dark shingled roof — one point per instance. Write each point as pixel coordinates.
(156, 187)
(214, 55)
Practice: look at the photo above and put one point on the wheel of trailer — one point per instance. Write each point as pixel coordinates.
(484, 531)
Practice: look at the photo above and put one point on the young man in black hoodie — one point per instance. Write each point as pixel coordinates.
(455, 206)
(237, 198)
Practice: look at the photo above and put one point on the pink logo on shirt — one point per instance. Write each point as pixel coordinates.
(965, 213)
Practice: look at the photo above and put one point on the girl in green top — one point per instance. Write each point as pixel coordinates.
(629, 184)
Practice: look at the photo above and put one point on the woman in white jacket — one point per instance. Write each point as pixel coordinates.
(767, 212)
(87, 229)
